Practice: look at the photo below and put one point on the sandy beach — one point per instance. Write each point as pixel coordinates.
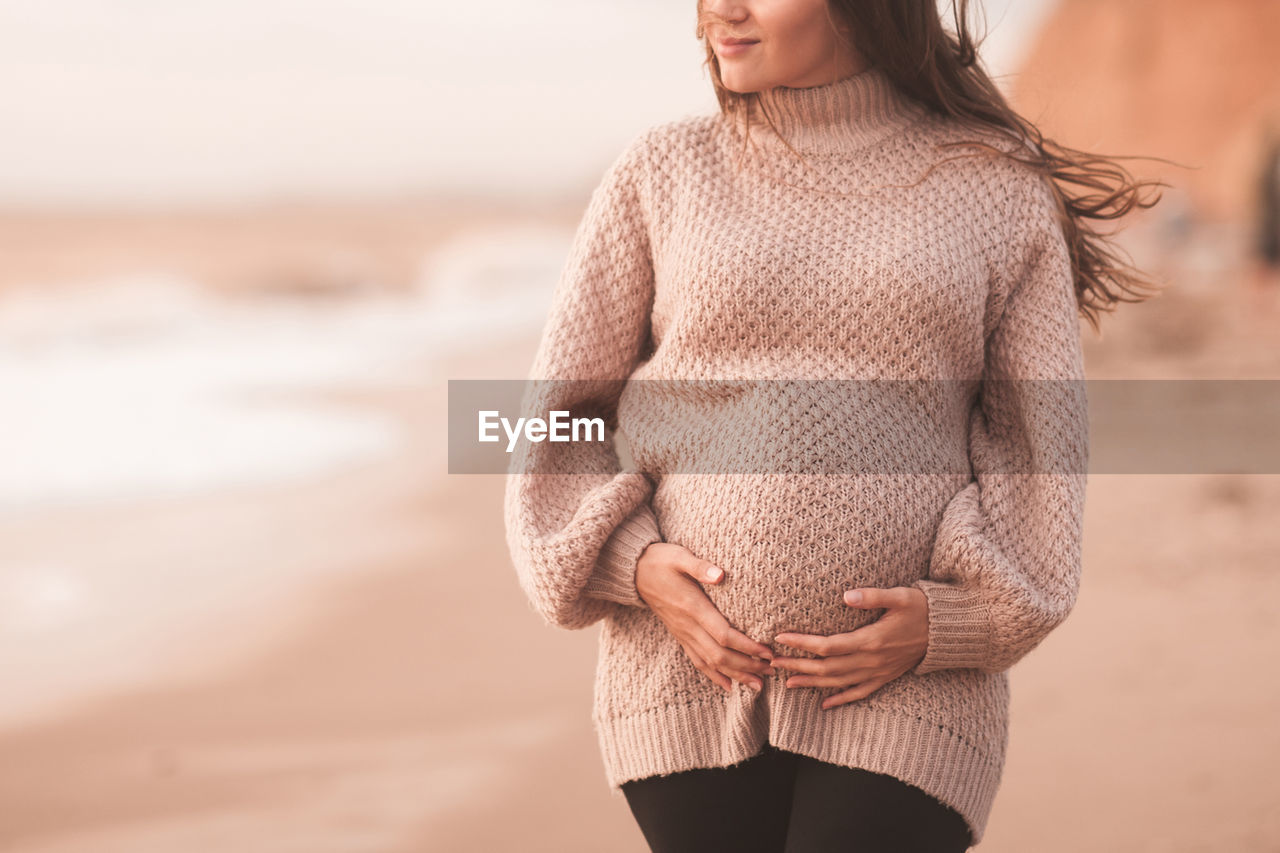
(344, 662)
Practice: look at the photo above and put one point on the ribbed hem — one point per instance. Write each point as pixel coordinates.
(959, 628)
(837, 117)
(920, 752)
(614, 578)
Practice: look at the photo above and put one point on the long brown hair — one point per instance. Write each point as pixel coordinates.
(940, 69)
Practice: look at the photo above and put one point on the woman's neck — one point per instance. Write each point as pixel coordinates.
(837, 117)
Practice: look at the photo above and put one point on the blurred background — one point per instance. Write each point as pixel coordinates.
(243, 246)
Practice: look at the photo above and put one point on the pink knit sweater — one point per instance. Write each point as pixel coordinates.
(686, 266)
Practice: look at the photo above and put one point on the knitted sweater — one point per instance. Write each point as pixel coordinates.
(686, 266)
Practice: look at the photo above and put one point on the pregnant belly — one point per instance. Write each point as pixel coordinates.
(790, 545)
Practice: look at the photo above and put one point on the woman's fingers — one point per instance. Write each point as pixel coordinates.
(752, 681)
(835, 644)
(838, 665)
(854, 693)
(727, 635)
(839, 680)
(727, 660)
(718, 627)
(725, 671)
(716, 648)
(706, 655)
(743, 649)
(705, 668)
(736, 649)
(703, 571)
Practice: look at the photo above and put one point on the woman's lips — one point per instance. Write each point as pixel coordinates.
(733, 48)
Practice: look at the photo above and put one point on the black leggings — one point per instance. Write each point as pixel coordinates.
(781, 802)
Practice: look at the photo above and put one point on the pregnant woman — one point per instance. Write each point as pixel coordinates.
(837, 322)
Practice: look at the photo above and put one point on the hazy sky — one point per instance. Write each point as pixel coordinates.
(145, 101)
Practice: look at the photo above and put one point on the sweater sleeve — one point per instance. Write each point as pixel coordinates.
(1005, 566)
(576, 523)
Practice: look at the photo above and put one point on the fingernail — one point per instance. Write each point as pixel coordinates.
(755, 685)
(714, 573)
(853, 596)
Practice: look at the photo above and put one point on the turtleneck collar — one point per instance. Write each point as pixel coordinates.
(837, 117)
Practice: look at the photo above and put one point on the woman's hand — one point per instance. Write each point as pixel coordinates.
(667, 578)
(870, 657)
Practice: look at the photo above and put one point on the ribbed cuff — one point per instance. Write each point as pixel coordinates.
(614, 578)
(959, 628)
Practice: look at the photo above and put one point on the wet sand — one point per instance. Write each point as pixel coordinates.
(406, 698)
(366, 712)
